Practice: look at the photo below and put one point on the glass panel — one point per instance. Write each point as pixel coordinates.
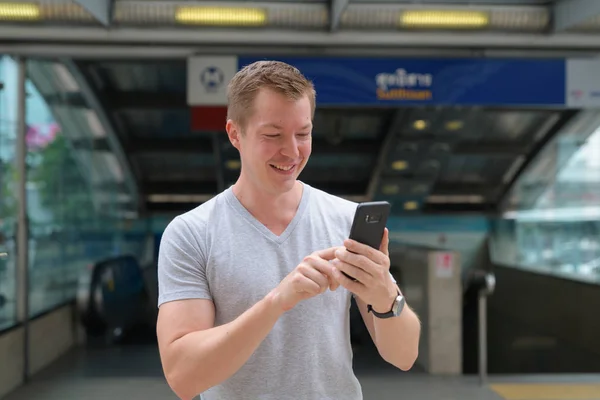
(559, 233)
(74, 182)
(77, 199)
(8, 204)
(577, 184)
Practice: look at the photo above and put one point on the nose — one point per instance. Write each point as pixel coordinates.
(290, 147)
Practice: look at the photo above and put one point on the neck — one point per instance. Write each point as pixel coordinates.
(259, 203)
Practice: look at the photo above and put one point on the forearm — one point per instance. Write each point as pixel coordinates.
(397, 338)
(203, 359)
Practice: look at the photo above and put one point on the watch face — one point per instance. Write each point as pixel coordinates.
(398, 305)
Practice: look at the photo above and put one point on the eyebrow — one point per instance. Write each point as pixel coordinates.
(275, 126)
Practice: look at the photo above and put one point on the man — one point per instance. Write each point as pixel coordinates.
(252, 301)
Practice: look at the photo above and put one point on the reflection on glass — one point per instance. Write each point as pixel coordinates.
(560, 233)
(8, 203)
(74, 207)
(577, 183)
(71, 188)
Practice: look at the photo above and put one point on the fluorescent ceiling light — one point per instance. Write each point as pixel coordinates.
(221, 16)
(444, 19)
(19, 11)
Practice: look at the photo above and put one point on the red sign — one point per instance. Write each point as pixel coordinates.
(208, 118)
(444, 265)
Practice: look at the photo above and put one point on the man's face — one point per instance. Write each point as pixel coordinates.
(276, 143)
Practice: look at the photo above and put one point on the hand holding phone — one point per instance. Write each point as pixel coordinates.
(368, 226)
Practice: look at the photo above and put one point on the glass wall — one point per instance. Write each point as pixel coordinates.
(74, 183)
(8, 205)
(78, 211)
(557, 227)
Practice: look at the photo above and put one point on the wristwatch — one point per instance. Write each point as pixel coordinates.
(397, 308)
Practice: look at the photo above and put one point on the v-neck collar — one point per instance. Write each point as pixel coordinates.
(239, 207)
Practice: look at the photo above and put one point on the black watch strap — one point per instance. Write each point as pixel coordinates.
(380, 315)
(395, 309)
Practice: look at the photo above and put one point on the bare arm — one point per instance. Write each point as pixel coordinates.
(397, 339)
(196, 355)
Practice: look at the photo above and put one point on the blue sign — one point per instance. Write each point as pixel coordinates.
(400, 81)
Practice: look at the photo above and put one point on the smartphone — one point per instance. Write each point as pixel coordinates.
(370, 220)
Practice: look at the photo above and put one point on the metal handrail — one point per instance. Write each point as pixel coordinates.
(485, 283)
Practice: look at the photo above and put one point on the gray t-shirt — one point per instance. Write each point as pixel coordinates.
(219, 251)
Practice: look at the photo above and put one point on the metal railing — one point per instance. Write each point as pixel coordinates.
(485, 284)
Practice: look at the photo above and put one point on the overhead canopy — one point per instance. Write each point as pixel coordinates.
(468, 26)
(419, 157)
(129, 59)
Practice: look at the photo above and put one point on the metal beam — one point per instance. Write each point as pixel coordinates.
(177, 51)
(498, 148)
(100, 9)
(275, 37)
(197, 145)
(205, 145)
(570, 13)
(181, 187)
(337, 8)
(139, 100)
(73, 99)
(169, 205)
(22, 270)
(463, 188)
(193, 187)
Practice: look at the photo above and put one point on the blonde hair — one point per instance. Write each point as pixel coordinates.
(274, 75)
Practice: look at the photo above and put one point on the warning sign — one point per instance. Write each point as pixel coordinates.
(444, 265)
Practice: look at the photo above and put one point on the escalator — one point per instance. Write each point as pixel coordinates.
(115, 301)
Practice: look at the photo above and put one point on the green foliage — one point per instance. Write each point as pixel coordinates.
(62, 188)
(8, 198)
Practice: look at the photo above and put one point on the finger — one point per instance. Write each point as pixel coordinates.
(320, 264)
(357, 261)
(334, 282)
(355, 272)
(355, 287)
(385, 242)
(359, 248)
(327, 254)
(324, 267)
(315, 275)
(304, 284)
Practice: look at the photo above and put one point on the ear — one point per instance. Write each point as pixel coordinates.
(233, 132)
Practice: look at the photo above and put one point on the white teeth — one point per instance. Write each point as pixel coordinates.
(283, 168)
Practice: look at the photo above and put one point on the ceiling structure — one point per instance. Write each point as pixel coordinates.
(126, 61)
(125, 28)
(420, 158)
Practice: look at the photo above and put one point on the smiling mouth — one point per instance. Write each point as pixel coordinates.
(284, 168)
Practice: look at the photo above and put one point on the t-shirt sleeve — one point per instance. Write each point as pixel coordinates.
(181, 264)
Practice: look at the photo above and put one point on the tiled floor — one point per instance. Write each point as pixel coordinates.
(548, 391)
(134, 372)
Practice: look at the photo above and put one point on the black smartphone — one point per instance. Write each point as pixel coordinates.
(370, 220)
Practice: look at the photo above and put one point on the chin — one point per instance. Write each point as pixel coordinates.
(284, 187)
(279, 186)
